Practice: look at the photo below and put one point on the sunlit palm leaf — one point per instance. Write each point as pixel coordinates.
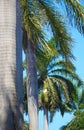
(63, 40)
(75, 11)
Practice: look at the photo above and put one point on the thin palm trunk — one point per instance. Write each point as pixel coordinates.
(8, 67)
(32, 87)
(45, 119)
(19, 65)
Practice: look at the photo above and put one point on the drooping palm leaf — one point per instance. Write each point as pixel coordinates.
(75, 11)
(33, 27)
(63, 40)
(60, 87)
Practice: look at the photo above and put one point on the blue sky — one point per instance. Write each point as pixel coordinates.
(79, 52)
(58, 120)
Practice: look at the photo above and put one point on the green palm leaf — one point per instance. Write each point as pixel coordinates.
(75, 11)
(63, 40)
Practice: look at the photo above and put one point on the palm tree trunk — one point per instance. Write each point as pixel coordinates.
(19, 65)
(32, 87)
(19, 75)
(8, 66)
(45, 119)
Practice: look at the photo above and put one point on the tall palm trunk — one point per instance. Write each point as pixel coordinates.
(19, 65)
(8, 97)
(32, 87)
(45, 119)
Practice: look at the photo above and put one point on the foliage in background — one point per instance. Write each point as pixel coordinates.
(26, 126)
(77, 123)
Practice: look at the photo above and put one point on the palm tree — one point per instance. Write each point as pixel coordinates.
(35, 13)
(57, 90)
(77, 121)
(52, 95)
(10, 80)
(32, 86)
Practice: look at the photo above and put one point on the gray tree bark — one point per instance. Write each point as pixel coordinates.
(45, 119)
(32, 87)
(9, 64)
(19, 69)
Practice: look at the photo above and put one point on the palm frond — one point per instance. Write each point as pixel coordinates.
(33, 27)
(61, 64)
(62, 86)
(75, 11)
(66, 87)
(43, 59)
(81, 100)
(62, 38)
(54, 98)
(30, 22)
(68, 73)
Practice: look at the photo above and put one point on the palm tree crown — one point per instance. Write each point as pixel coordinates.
(57, 81)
